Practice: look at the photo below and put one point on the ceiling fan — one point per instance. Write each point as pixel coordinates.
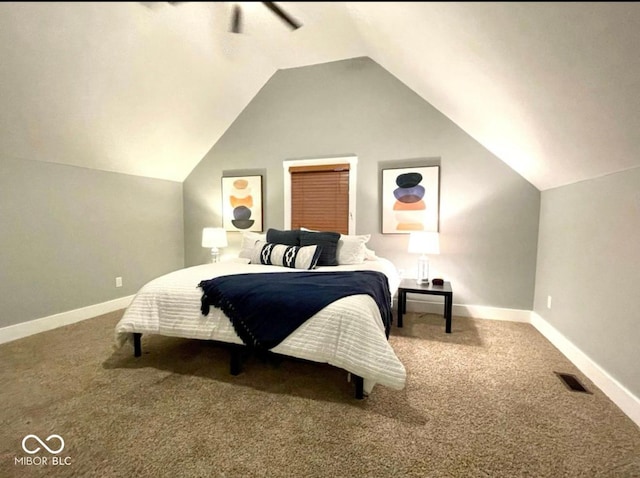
(236, 18)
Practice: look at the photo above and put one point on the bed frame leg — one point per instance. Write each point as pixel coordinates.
(137, 346)
(235, 365)
(359, 382)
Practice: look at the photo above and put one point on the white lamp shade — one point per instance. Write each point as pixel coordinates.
(214, 237)
(424, 243)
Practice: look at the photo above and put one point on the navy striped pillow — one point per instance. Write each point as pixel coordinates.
(294, 257)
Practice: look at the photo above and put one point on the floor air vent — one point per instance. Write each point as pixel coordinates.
(572, 382)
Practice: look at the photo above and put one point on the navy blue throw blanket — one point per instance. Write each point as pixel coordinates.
(265, 308)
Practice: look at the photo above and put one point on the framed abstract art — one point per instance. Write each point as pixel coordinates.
(242, 203)
(410, 199)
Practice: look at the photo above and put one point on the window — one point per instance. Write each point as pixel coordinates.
(320, 194)
(320, 197)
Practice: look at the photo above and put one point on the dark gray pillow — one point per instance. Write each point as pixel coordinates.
(328, 241)
(289, 238)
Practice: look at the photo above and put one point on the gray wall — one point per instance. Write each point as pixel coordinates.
(67, 232)
(589, 263)
(488, 213)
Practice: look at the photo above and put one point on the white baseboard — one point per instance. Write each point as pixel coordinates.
(623, 398)
(18, 331)
(473, 311)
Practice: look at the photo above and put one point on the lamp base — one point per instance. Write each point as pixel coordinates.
(422, 277)
(215, 254)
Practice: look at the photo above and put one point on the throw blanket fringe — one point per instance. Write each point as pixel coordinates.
(265, 308)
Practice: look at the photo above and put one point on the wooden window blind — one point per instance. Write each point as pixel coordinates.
(320, 197)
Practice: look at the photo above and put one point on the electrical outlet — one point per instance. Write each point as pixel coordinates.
(548, 302)
(118, 281)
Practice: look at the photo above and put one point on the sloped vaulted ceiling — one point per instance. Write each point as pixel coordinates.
(552, 89)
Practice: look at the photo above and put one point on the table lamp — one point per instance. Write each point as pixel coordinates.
(424, 243)
(214, 237)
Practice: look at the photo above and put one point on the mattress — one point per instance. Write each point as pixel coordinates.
(348, 333)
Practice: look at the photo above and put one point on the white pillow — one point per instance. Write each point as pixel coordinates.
(249, 240)
(294, 257)
(369, 255)
(352, 249)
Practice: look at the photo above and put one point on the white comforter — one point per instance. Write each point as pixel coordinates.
(348, 333)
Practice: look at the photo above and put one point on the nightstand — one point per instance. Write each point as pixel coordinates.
(409, 286)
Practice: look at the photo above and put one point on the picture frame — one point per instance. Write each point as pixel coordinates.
(242, 203)
(410, 199)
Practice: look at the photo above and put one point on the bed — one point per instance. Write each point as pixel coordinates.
(348, 333)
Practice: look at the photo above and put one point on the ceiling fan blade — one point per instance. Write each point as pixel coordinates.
(236, 19)
(293, 23)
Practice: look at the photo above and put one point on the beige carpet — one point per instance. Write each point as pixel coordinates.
(481, 402)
